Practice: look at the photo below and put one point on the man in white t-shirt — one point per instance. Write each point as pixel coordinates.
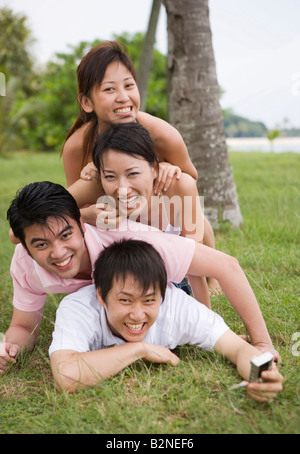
(57, 255)
(132, 314)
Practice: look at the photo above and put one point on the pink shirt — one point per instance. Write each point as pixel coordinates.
(32, 282)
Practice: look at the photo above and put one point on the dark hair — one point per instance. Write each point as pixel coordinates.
(36, 202)
(130, 258)
(128, 138)
(90, 73)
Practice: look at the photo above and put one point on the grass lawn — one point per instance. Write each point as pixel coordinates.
(191, 398)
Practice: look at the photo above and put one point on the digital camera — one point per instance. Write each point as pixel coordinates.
(260, 363)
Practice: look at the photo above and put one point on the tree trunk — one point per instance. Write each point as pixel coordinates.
(194, 107)
(146, 57)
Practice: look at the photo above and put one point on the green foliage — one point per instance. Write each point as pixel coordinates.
(16, 64)
(272, 134)
(15, 42)
(236, 126)
(50, 112)
(41, 105)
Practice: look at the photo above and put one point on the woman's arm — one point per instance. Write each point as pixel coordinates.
(86, 192)
(168, 143)
(188, 215)
(72, 155)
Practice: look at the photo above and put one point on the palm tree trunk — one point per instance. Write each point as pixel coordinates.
(194, 107)
(146, 56)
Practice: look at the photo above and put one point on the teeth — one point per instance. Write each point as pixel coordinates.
(134, 327)
(128, 201)
(64, 263)
(123, 110)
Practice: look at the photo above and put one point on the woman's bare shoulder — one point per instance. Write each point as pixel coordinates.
(72, 155)
(157, 127)
(168, 143)
(75, 141)
(186, 185)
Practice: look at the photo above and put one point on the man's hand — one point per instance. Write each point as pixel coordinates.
(268, 389)
(159, 354)
(8, 352)
(268, 348)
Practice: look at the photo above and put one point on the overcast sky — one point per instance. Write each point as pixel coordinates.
(256, 44)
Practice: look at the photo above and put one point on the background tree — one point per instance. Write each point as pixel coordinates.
(146, 57)
(48, 114)
(272, 134)
(194, 107)
(15, 43)
(156, 94)
(16, 63)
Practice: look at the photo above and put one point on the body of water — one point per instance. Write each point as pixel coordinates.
(280, 145)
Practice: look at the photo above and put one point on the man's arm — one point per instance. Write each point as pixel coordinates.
(21, 334)
(240, 353)
(226, 270)
(73, 370)
(24, 328)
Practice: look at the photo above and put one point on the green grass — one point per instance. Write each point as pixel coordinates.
(191, 398)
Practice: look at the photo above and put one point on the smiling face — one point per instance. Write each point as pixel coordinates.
(130, 311)
(128, 179)
(116, 99)
(59, 248)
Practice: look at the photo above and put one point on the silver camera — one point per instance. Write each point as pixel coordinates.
(260, 363)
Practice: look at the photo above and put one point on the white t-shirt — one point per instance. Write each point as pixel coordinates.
(81, 323)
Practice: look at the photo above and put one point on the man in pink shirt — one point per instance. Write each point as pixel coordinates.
(58, 253)
(33, 280)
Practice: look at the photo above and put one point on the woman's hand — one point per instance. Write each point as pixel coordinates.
(89, 172)
(108, 218)
(165, 176)
(102, 214)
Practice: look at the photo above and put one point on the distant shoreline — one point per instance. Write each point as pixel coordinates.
(280, 145)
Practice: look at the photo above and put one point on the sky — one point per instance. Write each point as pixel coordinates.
(256, 45)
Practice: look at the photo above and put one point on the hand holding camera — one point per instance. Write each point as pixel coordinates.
(265, 381)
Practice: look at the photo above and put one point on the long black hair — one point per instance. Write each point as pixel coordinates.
(129, 138)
